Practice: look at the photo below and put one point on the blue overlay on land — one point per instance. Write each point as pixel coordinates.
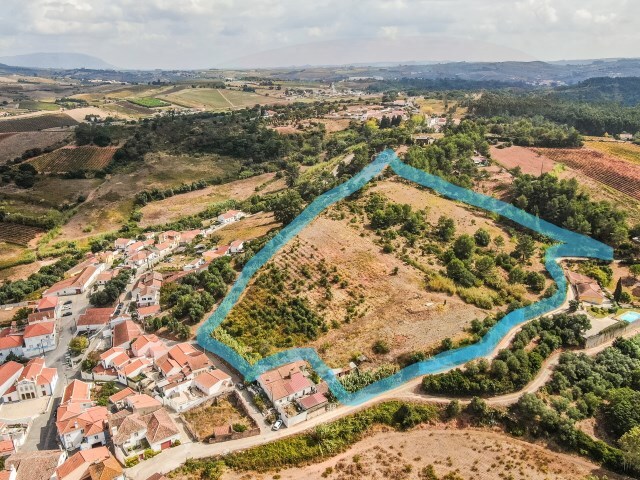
(570, 244)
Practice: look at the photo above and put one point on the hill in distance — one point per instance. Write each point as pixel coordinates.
(59, 60)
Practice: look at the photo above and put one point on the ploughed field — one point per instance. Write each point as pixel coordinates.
(35, 123)
(614, 172)
(69, 159)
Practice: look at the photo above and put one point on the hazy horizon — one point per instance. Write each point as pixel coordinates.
(157, 34)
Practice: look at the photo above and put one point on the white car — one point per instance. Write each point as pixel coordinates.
(276, 426)
(66, 307)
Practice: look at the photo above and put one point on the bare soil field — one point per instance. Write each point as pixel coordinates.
(471, 454)
(79, 114)
(51, 192)
(20, 272)
(203, 420)
(529, 161)
(14, 145)
(248, 228)
(190, 203)
(614, 172)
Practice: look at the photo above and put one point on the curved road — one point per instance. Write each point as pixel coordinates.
(174, 457)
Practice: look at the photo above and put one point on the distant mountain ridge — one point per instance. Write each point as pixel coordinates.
(57, 60)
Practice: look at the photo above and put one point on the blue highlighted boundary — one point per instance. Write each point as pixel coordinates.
(570, 244)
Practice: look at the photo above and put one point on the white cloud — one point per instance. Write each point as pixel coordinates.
(199, 33)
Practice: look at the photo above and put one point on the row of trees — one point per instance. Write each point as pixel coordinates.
(514, 367)
(111, 290)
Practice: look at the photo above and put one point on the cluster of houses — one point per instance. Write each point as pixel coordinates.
(39, 336)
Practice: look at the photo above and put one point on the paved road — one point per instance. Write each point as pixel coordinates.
(173, 458)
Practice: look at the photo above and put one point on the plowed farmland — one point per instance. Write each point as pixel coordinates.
(613, 172)
(18, 234)
(74, 158)
(33, 124)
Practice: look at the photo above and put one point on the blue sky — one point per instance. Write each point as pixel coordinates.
(210, 33)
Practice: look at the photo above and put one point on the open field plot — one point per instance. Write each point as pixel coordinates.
(611, 171)
(47, 193)
(36, 123)
(12, 254)
(190, 203)
(467, 454)
(220, 413)
(20, 272)
(18, 234)
(14, 145)
(68, 159)
(337, 288)
(111, 203)
(248, 228)
(37, 106)
(529, 161)
(217, 99)
(128, 107)
(624, 150)
(149, 102)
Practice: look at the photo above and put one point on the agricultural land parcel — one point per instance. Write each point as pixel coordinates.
(35, 123)
(74, 158)
(13, 145)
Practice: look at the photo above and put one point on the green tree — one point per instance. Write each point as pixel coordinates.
(634, 270)
(287, 206)
(525, 248)
(78, 344)
(499, 242)
(617, 293)
(446, 228)
(630, 446)
(464, 246)
(482, 237)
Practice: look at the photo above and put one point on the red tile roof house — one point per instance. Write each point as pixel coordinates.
(169, 236)
(80, 427)
(78, 392)
(163, 249)
(586, 288)
(94, 319)
(48, 304)
(92, 464)
(230, 216)
(123, 243)
(237, 246)
(118, 399)
(77, 284)
(10, 343)
(189, 236)
(39, 338)
(133, 369)
(212, 382)
(38, 465)
(147, 312)
(129, 430)
(146, 290)
(37, 317)
(285, 384)
(124, 333)
(9, 374)
(143, 258)
(35, 381)
(144, 345)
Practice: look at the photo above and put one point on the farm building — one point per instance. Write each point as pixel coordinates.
(77, 284)
(585, 288)
(230, 216)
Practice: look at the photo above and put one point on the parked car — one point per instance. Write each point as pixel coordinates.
(276, 426)
(67, 314)
(68, 302)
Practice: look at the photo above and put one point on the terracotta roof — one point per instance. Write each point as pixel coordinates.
(160, 426)
(125, 332)
(222, 430)
(142, 400)
(130, 424)
(312, 401)
(122, 242)
(76, 391)
(38, 465)
(73, 416)
(112, 351)
(236, 243)
(39, 329)
(157, 476)
(81, 461)
(150, 310)
(107, 469)
(230, 214)
(211, 378)
(11, 341)
(40, 316)
(6, 447)
(87, 320)
(121, 395)
(36, 372)
(47, 303)
(8, 370)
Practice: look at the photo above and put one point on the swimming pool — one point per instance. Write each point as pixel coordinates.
(630, 316)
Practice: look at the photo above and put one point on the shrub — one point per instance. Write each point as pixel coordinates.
(380, 347)
(438, 283)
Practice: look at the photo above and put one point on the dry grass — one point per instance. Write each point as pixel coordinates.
(471, 453)
(248, 228)
(530, 162)
(203, 420)
(14, 145)
(172, 208)
(623, 150)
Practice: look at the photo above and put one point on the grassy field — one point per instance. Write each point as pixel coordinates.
(12, 254)
(149, 102)
(37, 106)
(111, 203)
(626, 151)
(48, 193)
(74, 158)
(204, 419)
(217, 99)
